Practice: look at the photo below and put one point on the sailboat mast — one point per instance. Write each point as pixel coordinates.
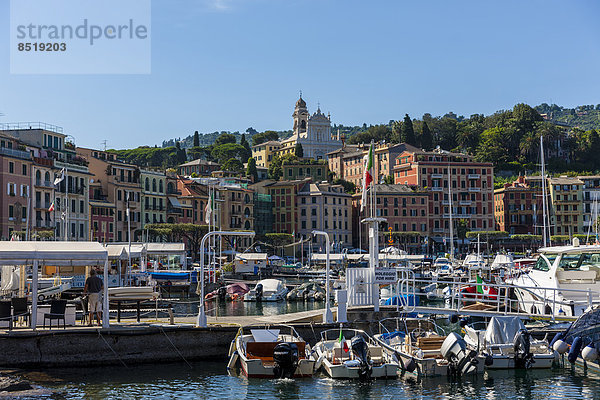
(451, 224)
(545, 226)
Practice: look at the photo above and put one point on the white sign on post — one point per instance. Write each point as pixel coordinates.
(386, 275)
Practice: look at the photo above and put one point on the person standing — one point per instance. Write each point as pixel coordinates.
(93, 287)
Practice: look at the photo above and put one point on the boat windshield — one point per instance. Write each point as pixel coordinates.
(579, 262)
(544, 262)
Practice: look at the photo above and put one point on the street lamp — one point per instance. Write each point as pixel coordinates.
(201, 320)
(327, 316)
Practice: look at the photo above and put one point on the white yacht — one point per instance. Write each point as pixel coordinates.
(564, 281)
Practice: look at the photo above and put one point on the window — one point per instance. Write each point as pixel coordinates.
(11, 167)
(24, 169)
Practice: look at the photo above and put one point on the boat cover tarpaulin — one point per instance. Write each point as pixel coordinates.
(170, 276)
(502, 330)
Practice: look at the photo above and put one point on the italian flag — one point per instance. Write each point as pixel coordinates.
(367, 177)
(51, 207)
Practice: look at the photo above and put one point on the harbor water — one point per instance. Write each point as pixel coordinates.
(209, 380)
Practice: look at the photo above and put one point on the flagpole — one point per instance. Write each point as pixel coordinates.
(66, 204)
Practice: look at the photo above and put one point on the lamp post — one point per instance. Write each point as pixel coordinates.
(327, 316)
(201, 320)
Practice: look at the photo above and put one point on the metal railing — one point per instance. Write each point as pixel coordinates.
(548, 302)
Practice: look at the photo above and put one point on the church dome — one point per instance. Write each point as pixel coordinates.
(300, 103)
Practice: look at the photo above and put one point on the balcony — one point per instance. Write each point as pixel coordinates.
(445, 202)
(438, 230)
(15, 153)
(473, 176)
(464, 203)
(41, 183)
(437, 189)
(474, 189)
(436, 176)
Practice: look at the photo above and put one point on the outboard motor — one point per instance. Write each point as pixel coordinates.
(259, 292)
(222, 292)
(522, 349)
(361, 352)
(285, 356)
(460, 359)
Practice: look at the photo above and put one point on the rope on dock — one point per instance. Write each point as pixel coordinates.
(113, 350)
(175, 347)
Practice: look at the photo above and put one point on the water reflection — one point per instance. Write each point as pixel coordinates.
(209, 380)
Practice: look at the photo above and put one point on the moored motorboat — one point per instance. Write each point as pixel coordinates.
(353, 354)
(267, 290)
(506, 344)
(268, 353)
(232, 292)
(423, 349)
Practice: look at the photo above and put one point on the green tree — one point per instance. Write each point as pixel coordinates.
(233, 165)
(226, 151)
(180, 155)
(248, 153)
(265, 136)
(196, 139)
(299, 151)
(225, 138)
(349, 187)
(388, 179)
(251, 171)
(191, 233)
(407, 133)
(426, 137)
(493, 145)
(375, 133)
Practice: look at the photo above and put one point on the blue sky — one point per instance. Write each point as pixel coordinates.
(232, 64)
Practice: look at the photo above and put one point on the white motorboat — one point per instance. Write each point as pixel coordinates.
(423, 349)
(267, 290)
(442, 267)
(353, 354)
(268, 353)
(564, 280)
(132, 293)
(506, 344)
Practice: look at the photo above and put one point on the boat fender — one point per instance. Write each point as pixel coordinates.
(560, 346)
(589, 353)
(453, 318)
(575, 348)
(559, 335)
(410, 365)
(319, 362)
(232, 361)
(463, 322)
(489, 361)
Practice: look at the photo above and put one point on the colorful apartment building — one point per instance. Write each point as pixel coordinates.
(121, 184)
(450, 178)
(198, 167)
(102, 215)
(263, 153)
(325, 207)
(316, 170)
(154, 198)
(285, 204)
(518, 208)
(406, 210)
(566, 215)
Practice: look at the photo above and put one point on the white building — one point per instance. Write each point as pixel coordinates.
(313, 132)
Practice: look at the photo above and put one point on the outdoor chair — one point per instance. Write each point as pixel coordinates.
(6, 312)
(20, 309)
(57, 312)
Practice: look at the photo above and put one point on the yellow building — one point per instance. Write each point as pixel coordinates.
(263, 153)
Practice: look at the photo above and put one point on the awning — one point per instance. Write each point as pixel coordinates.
(165, 248)
(52, 253)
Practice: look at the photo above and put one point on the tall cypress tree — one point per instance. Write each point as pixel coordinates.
(196, 139)
(426, 137)
(407, 134)
(248, 152)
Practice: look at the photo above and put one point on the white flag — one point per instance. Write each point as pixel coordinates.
(60, 178)
(208, 210)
